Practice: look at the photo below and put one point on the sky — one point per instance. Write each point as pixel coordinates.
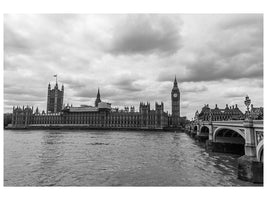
(217, 59)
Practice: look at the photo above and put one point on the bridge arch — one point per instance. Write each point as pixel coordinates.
(204, 131)
(229, 140)
(259, 151)
(220, 129)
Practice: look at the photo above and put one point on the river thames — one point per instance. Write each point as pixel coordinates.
(113, 158)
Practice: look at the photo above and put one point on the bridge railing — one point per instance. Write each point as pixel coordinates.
(229, 122)
(257, 121)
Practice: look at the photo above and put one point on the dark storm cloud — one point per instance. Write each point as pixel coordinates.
(142, 34)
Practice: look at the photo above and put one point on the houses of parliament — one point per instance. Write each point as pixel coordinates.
(101, 115)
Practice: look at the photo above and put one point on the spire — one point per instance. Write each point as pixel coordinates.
(175, 82)
(37, 111)
(98, 100)
(98, 94)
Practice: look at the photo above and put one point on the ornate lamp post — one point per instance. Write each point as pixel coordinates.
(247, 103)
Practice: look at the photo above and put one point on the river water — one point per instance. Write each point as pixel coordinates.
(113, 158)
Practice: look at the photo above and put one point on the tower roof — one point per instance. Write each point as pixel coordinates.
(175, 82)
(98, 93)
(98, 100)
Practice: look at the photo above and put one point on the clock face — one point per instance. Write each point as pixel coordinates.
(175, 95)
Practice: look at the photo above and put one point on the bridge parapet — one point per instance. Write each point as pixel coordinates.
(250, 130)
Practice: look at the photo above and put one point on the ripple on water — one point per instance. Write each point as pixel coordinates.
(113, 158)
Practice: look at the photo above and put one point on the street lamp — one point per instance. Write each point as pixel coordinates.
(247, 103)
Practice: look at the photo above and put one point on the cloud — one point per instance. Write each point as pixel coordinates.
(232, 53)
(218, 68)
(241, 21)
(235, 92)
(133, 58)
(193, 88)
(145, 34)
(127, 82)
(230, 47)
(185, 104)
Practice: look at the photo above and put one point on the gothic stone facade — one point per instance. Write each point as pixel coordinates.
(54, 99)
(100, 116)
(217, 114)
(93, 117)
(175, 98)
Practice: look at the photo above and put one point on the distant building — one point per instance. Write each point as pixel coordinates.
(256, 112)
(102, 115)
(7, 119)
(98, 100)
(93, 117)
(217, 114)
(22, 117)
(175, 99)
(55, 99)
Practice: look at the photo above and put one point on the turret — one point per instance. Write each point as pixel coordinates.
(175, 82)
(37, 111)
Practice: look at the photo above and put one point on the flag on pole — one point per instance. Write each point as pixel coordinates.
(56, 77)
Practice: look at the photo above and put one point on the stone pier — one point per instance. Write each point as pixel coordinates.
(243, 137)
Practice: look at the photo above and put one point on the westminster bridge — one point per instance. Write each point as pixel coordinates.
(244, 137)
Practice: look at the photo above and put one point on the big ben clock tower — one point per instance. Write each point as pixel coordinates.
(175, 96)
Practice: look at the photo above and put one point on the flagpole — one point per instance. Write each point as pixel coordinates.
(56, 77)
